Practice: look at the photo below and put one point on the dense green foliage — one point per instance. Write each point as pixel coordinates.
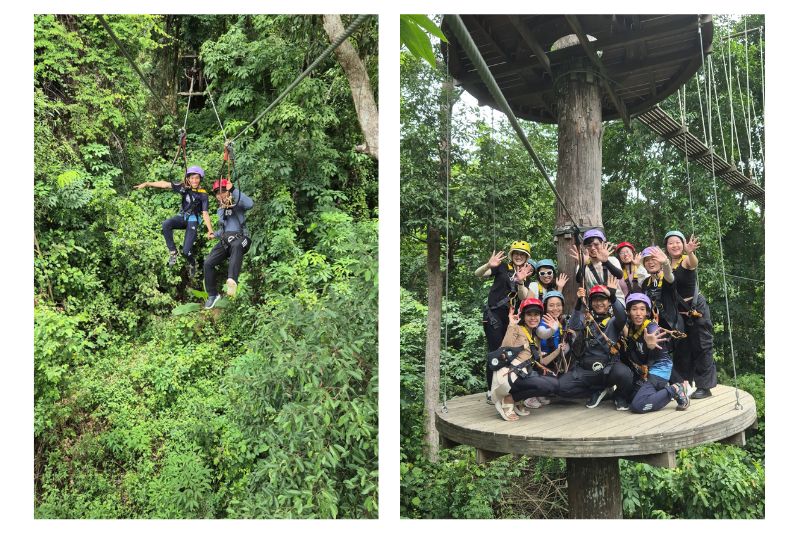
(495, 197)
(266, 408)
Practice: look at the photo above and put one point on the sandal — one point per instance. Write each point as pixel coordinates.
(519, 408)
(506, 410)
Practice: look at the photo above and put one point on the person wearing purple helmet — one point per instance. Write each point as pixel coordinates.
(694, 358)
(194, 205)
(598, 261)
(647, 355)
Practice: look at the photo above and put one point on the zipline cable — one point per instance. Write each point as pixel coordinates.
(132, 62)
(738, 405)
(463, 36)
(214, 107)
(339, 40)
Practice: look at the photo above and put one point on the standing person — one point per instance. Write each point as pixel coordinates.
(234, 239)
(694, 359)
(508, 278)
(518, 379)
(629, 261)
(545, 280)
(598, 262)
(651, 363)
(194, 205)
(595, 368)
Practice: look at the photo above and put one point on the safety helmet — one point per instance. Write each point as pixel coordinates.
(674, 233)
(647, 252)
(531, 303)
(626, 244)
(219, 183)
(546, 262)
(532, 263)
(635, 297)
(553, 294)
(594, 233)
(521, 246)
(196, 170)
(599, 291)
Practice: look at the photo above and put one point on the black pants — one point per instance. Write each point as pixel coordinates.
(581, 383)
(494, 327)
(694, 356)
(178, 222)
(534, 385)
(651, 395)
(230, 245)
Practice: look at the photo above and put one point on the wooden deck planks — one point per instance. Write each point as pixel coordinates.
(568, 429)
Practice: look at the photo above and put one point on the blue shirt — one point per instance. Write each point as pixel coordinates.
(232, 218)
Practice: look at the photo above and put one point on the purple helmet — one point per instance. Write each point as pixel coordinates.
(594, 233)
(196, 170)
(647, 252)
(635, 297)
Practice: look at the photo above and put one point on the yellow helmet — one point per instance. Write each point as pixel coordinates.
(521, 246)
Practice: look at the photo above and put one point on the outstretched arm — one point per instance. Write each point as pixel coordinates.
(154, 184)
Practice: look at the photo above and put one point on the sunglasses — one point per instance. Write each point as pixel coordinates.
(545, 272)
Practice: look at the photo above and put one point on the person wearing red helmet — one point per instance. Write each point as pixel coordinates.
(647, 355)
(517, 379)
(234, 239)
(595, 367)
(629, 261)
(194, 205)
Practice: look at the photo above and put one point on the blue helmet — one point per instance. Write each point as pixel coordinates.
(546, 262)
(553, 294)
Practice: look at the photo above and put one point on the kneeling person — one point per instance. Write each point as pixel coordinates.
(651, 364)
(234, 240)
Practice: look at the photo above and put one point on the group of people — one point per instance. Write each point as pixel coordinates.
(640, 330)
(234, 240)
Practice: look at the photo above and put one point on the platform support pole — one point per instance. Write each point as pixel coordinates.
(593, 488)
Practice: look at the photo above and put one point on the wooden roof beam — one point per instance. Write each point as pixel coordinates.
(531, 41)
(575, 24)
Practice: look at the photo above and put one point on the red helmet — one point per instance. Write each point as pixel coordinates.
(599, 291)
(531, 303)
(217, 183)
(625, 244)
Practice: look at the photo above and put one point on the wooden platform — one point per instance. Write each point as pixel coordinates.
(569, 429)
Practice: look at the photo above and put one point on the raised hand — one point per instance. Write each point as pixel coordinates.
(653, 340)
(524, 271)
(561, 282)
(513, 318)
(573, 252)
(496, 258)
(692, 245)
(604, 251)
(637, 260)
(613, 283)
(551, 321)
(658, 254)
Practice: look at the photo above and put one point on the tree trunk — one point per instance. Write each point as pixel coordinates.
(580, 160)
(593, 488)
(360, 86)
(433, 342)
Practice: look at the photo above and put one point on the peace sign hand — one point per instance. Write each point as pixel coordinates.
(653, 340)
(513, 318)
(692, 245)
(496, 258)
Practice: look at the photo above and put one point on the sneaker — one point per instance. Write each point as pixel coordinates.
(680, 396)
(543, 400)
(230, 287)
(489, 397)
(621, 404)
(173, 258)
(596, 398)
(699, 394)
(212, 301)
(688, 388)
(532, 403)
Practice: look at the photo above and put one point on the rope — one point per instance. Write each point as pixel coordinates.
(719, 116)
(449, 136)
(339, 40)
(738, 405)
(494, 185)
(214, 107)
(686, 157)
(133, 64)
(729, 77)
(188, 103)
(463, 36)
(747, 78)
